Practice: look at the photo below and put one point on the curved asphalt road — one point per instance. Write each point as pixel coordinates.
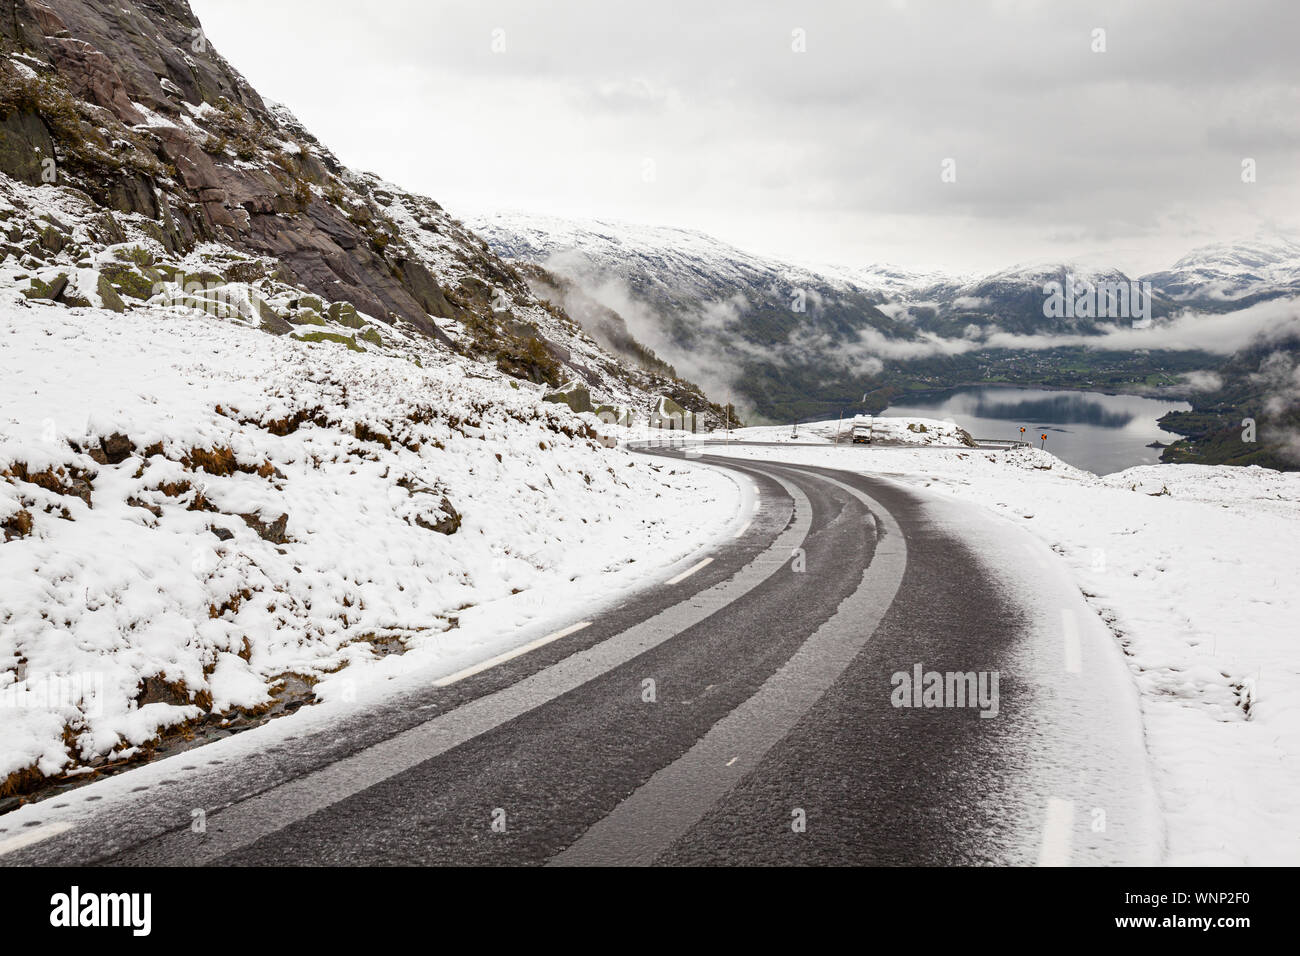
(740, 714)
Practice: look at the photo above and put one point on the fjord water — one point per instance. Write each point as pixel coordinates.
(1096, 432)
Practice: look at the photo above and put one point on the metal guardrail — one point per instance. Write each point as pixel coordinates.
(1000, 443)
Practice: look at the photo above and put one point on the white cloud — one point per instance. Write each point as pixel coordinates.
(829, 155)
(1202, 381)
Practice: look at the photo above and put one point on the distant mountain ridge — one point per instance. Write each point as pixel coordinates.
(787, 331)
(680, 268)
(1233, 274)
(803, 342)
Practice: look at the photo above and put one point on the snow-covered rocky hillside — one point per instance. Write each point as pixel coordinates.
(201, 521)
(263, 417)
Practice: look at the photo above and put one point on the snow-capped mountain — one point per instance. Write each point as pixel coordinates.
(784, 332)
(676, 271)
(721, 316)
(678, 266)
(893, 282)
(1017, 300)
(1233, 274)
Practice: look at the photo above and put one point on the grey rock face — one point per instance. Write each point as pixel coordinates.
(108, 57)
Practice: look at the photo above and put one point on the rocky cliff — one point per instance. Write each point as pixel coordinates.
(123, 129)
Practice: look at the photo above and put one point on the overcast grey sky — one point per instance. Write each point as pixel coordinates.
(705, 115)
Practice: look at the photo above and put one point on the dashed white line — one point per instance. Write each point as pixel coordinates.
(689, 571)
(34, 835)
(509, 655)
(1057, 829)
(744, 529)
(756, 506)
(1073, 650)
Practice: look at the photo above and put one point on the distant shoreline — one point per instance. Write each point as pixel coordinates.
(1148, 393)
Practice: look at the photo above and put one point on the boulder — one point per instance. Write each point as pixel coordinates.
(52, 240)
(614, 414)
(38, 289)
(117, 448)
(271, 320)
(667, 414)
(574, 394)
(137, 285)
(307, 317)
(329, 337)
(108, 295)
(345, 314)
(448, 523)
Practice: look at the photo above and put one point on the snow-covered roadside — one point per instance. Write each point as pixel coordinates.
(886, 430)
(195, 512)
(1194, 570)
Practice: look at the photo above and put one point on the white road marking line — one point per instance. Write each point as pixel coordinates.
(732, 760)
(34, 835)
(744, 529)
(1057, 829)
(238, 825)
(756, 506)
(509, 655)
(1073, 650)
(689, 571)
(675, 798)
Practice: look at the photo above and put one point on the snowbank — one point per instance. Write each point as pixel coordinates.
(885, 430)
(195, 512)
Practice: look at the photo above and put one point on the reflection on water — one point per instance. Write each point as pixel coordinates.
(1099, 433)
(1066, 408)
